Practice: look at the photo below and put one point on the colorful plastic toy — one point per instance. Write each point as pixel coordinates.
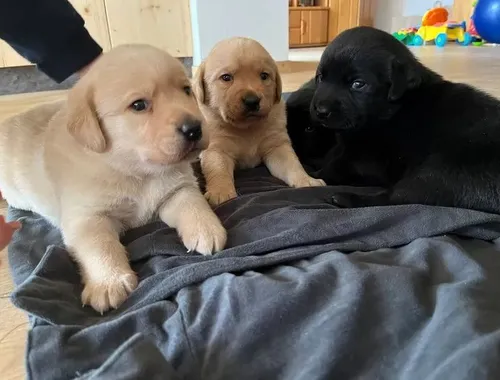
(406, 35)
(436, 15)
(443, 33)
(435, 28)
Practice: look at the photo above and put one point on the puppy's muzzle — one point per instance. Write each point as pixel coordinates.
(191, 130)
(251, 102)
(323, 112)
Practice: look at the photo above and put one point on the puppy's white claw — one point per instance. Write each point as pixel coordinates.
(307, 181)
(109, 290)
(206, 236)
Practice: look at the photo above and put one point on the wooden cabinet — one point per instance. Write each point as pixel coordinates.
(345, 14)
(308, 26)
(319, 24)
(162, 23)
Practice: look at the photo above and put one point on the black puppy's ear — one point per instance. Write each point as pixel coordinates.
(403, 77)
(399, 83)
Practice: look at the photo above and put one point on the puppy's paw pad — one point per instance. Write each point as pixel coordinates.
(206, 236)
(307, 181)
(109, 292)
(217, 197)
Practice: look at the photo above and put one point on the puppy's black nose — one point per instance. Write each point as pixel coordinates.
(191, 130)
(322, 112)
(251, 102)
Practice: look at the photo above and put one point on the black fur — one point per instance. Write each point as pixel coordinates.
(424, 139)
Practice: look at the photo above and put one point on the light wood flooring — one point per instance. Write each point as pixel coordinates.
(479, 66)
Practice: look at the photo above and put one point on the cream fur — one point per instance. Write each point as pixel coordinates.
(237, 140)
(95, 168)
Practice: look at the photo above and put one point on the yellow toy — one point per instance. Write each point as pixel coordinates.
(436, 27)
(441, 34)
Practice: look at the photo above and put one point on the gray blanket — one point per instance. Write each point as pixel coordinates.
(416, 297)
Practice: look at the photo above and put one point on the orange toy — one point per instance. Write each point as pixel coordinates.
(434, 16)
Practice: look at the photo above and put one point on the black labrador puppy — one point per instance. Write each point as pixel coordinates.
(375, 116)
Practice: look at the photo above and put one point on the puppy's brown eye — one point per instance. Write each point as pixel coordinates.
(226, 77)
(358, 84)
(187, 90)
(140, 105)
(264, 76)
(310, 128)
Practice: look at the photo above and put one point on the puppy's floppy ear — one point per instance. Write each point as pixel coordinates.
(279, 86)
(403, 77)
(83, 123)
(199, 84)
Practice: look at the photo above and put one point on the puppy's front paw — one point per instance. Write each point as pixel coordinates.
(345, 200)
(204, 235)
(351, 200)
(307, 181)
(216, 196)
(109, 289)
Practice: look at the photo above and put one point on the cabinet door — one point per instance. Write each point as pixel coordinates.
(314, 27)
(294, 27)
(304, 27)
(164, 24)
(348, 14)
(294, 37)
(317, 28)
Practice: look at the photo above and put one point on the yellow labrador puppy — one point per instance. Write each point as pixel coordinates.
(116, 152)
(238, 88)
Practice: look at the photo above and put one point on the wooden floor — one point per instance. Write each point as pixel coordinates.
(479, 66)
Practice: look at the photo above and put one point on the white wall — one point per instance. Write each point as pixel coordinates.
(392, 15)
(419, 7)
(263, 20)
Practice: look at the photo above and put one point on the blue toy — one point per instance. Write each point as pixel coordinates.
(487, 20)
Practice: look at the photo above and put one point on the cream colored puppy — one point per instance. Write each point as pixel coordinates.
(238, 88)
(109, 158)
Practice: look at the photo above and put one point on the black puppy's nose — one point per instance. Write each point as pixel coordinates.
(191, 130)
(251, 102)
(322, 112)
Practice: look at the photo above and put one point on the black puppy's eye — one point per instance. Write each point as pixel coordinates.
(140, 105)
(310, 129)
(319, 78)
(264, 75)
(187, 90)
(226, 77)
(358, 84)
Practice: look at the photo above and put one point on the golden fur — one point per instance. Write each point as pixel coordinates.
(94, 166)
(237, 137)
